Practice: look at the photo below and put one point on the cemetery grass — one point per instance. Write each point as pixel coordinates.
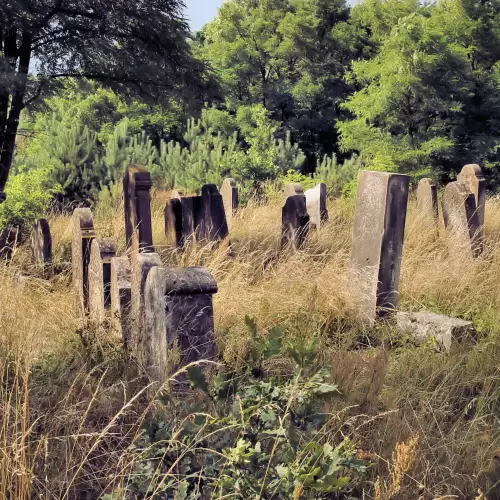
(427, 423)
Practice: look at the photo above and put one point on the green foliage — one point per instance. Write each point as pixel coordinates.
(339, 178)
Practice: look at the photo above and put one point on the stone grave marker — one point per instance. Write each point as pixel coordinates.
(187, 211)
(461, 218)
(229, 192)
(292, 189)
(294, 221)
(473, 178)
(121, 296)
(316, 205)
(41, 243)
(379, 222)
(173, 222)
(83, 234)
(102, 250)
(427, 203)
(214, 225)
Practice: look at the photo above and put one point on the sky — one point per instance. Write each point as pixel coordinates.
(200, 12)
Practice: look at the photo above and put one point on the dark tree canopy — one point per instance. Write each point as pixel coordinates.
(135, 46)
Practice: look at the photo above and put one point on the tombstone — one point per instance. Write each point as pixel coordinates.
(214, 224)
(229, 193)
(294, 221)
(316, 205)
(102, 250)
(173, 222)
(379, 222)
(179, 314)
(8, 241)
(176, 193)
(41, 243)
(427, 200)
(187, 211)
(121, 296)
(472, 177)
(461, 218)
(137, 202)
(292, 189)
(83, 234)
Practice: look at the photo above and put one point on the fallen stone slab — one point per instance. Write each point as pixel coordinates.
(448, 332)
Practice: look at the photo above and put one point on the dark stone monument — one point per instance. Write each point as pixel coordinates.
(41, 243)
(379, 223)
(294, 221)
(173, 222)
(187, 211)
(229, 193)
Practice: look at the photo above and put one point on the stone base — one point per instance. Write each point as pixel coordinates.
(448, 332)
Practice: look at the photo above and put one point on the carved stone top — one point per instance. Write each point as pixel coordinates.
(292, 189)
(189, 281)
(106, 248)
(230, 181)
(84, 215)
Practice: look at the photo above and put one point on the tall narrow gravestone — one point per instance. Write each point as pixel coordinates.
(214, 225)
(294, 221)
(41, 243)
(83, 234)
(461, 218)
(102, 250)
(137, 202)
(173, 222)
(316, 205)
(229, 193)
(121, 296)
(472, 177)
(187, 211)
(179, 315)
(427, 203)
(379, 222)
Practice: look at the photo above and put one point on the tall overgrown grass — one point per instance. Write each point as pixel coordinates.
(428, 421)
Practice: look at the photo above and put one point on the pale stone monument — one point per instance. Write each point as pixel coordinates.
(292, 189)
(41, 243)
(427, 202)
(229, 192)
(379, 222)
(83, 234)
(316, 205)
(121, 296)
(99, 276)
(294, 221)
(473, 178)
(461, 218)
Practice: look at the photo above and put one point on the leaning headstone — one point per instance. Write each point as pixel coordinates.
(8, 241)
(173, 222)
(179, 316)
(446, 332)
(294, 221)
(461, 218)
(472, 176)
(292, 189)
(214, 225)
(229, 193)
(102, 251)
(41, 243)
(137, 201)
(427, 203)
(379, 222)
(83, 234)
(121, 296)
(316, 205)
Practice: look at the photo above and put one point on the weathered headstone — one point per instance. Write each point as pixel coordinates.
(137, 201)
(461, 218)
(294, 221)
(229, 193)
(179, 315)
(41, 243)
(102, 250)
(379, 222)
(214, 226)
(173, 222)
(473, 178)
(292, 189)
(8, 241)
(187, 210)
(427, 200)
(176, 193)
(83, 234)
(316, 205)
(121, 296)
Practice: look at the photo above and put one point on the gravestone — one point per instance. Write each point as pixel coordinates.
(316, 205)
(83, 234)
(292, 189)
(41, 243)
(121, 296)
(137, 202)
(461, 218)
(427, 203)
(294, 221)
(179, 315)
(102, 250)
(8, 241)
(187, 211)
(173, 222)
(379, 222)
(176, 193)
(473, 178)
(214, 225)
(229, 193)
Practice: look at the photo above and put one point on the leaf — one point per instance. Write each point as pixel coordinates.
(183, 490)
(282, 470)
(197, 379)
(274, 342)
(251, 326)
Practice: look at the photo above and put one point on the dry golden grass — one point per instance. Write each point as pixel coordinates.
(68, 415)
